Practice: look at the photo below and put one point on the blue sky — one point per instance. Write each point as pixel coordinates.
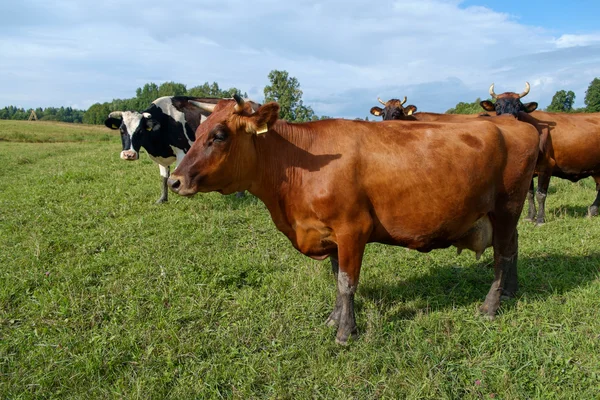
(345, 53)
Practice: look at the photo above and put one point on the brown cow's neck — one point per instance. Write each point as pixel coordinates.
(282, 155)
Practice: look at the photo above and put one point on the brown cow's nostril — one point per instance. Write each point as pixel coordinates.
(174, 184)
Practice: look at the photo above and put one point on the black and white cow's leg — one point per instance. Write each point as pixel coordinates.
(531, 212)
(593, 211)
(334, 317)
(542, 192)
(164, 173)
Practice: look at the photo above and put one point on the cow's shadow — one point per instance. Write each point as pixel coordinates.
(448, 286)
(569, 210)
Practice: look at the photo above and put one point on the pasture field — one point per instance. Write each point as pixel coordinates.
(104, 294)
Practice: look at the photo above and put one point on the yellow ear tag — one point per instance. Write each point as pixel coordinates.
(114, 126)
(262, 129)
(148, 129)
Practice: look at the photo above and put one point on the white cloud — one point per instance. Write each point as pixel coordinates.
(344, 53)
(577, 40)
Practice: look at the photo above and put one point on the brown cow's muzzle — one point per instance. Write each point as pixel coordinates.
(174, 184)
(177, 184)
(129, 155)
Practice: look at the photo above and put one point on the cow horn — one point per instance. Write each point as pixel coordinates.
(381, 101)
(240, 102)
(526, 92)
(494, 96)
(116, 114)
(403, 101)
(204, 106)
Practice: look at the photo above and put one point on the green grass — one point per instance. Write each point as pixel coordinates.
(104, 294)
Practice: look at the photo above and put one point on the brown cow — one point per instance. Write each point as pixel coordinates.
(394, 109)
(333, 186)
(570, 146)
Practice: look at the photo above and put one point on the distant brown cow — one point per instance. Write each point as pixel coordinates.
(570, 146)
(393, 109)
(333, 186)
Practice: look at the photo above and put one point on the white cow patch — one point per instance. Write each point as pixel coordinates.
(163, 161)
(131, 120)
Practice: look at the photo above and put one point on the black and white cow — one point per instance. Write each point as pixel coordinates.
(166, 130)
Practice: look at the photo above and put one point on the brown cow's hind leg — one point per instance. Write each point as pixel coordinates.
(593, 211)
(542, 192)
(531, 212)
(334, 317)
(505, 263)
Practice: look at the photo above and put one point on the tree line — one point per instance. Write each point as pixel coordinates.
(62, 114)
(562, 101)
(282, 88)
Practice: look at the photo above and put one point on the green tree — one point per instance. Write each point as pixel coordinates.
(562, 101)
(213, 90)
(466, 108)
(96, 114)
(285, 90)
(171, 89)
(145, 96)
(592, 96)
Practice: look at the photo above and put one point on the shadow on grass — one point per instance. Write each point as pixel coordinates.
(235, 201)
(451, 286)
(570, 211)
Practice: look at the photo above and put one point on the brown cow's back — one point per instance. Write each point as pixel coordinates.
(574, 141)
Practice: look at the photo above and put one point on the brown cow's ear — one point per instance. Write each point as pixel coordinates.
(267, 114)
(487, 105)
(531, 107)
(410, 110)
(377, 111)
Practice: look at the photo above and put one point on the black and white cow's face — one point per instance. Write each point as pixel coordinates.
(133, 127)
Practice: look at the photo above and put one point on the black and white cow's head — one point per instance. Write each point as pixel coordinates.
(167, 126)
(133, 127)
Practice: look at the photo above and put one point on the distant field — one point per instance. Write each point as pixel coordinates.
(104, 294)
(52, 132)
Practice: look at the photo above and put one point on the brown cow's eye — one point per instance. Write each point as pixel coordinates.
(220, 136)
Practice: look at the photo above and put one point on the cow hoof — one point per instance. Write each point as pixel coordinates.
(529, 219)
(342, 340)
(593, 211)
(537, 224)
(160, 201)
(485, 312)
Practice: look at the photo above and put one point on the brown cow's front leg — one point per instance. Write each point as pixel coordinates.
(593, 211)
(334, 317)
(531, 212)
(542, 192)
(350, 252)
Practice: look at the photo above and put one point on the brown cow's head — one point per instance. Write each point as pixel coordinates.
(393, 109)
(223, 157)
(509, 102)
